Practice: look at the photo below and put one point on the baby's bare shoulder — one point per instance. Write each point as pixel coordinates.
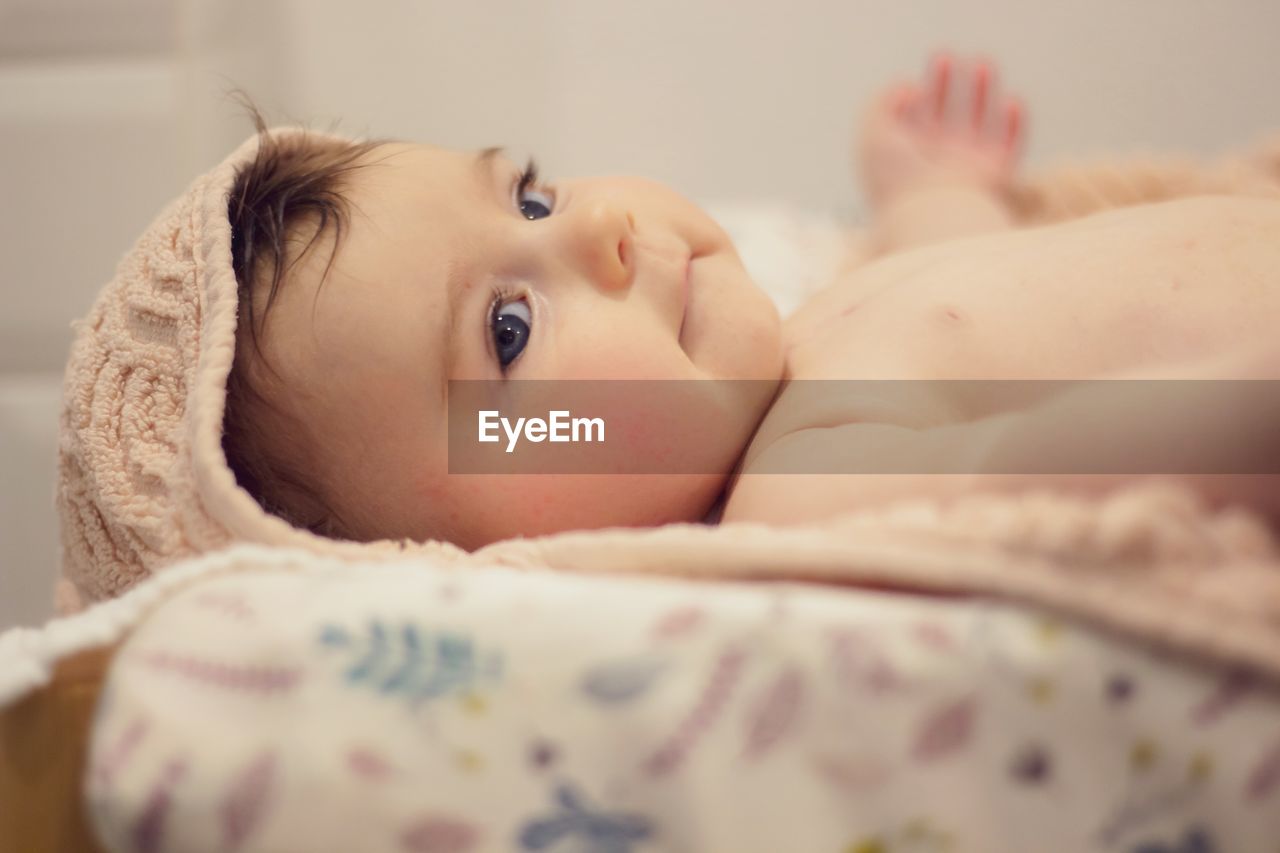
(816, 471)
(813, 474)
(816, 407)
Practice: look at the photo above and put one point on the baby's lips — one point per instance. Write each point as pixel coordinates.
(686, 292)
(663, 267)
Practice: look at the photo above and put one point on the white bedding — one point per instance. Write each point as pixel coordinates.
(407, 707)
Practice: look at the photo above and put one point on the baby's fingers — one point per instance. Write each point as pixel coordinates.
(1014, 127)
(939, 82)
(903, 102)
(983, 82)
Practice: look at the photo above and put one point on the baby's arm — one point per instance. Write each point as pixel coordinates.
(936, 157)
(932, 214)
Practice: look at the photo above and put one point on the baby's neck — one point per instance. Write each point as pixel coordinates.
(716, 512)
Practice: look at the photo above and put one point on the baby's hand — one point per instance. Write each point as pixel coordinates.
(954, 128)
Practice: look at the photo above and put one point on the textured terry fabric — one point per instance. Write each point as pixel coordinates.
(142, 477)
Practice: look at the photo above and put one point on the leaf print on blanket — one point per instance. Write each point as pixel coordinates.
(411, 663)
(1226, 695)
(370, 764)
(118, 755)
(774, 712)
(679, 623)
(593, 831)
(1265, 776)
(619, 682)
(945, 730)
(234, 606)
(149, 829)
(860, 663)
(852, 772)
(440, 834)
(247, 799)
(705, 713)
(249, 678)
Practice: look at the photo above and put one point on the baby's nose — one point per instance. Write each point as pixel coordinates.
(604, 243)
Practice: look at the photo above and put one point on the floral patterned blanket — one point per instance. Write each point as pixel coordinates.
(280, 702)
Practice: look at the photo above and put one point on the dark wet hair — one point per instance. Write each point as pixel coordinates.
(289, 196)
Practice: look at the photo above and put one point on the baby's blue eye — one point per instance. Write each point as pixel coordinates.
(533, 207)
(510, 324)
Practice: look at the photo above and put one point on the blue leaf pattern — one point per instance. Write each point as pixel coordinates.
(410, 662)
(595, 832)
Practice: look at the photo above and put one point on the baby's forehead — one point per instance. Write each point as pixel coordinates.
(399, 177)
(397, 156)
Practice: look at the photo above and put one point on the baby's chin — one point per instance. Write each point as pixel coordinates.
(737, 330)
(769, 354)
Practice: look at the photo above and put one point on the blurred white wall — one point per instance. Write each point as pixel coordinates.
(109, 107)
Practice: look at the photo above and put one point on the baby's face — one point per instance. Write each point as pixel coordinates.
(449, 270)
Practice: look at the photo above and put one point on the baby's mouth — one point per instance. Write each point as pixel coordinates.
(685, 289)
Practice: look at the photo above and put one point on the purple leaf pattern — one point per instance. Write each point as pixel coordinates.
(247, 799)
(774, 712)
(1226, 695)
(859, 663)
(678, 623)
(369, 764)
(945, 730)
(715, 695)
(934, 636)
(148, 831)
(1265, 775)
(437, 834)
(852, 772)
(227, 675)
(120, 752)
(232, 605)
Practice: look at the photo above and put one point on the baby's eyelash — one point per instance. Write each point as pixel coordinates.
(528, 178)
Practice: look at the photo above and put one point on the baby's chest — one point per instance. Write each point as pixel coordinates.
(1090, 299)
(1137, 290)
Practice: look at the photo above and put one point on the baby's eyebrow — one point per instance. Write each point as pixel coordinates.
(484, 160)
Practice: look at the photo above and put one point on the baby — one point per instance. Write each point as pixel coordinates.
(372, 275)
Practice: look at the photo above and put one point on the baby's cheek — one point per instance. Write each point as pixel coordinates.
(623, 351)
(438, 506)
(629, 430)
(484, 508)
